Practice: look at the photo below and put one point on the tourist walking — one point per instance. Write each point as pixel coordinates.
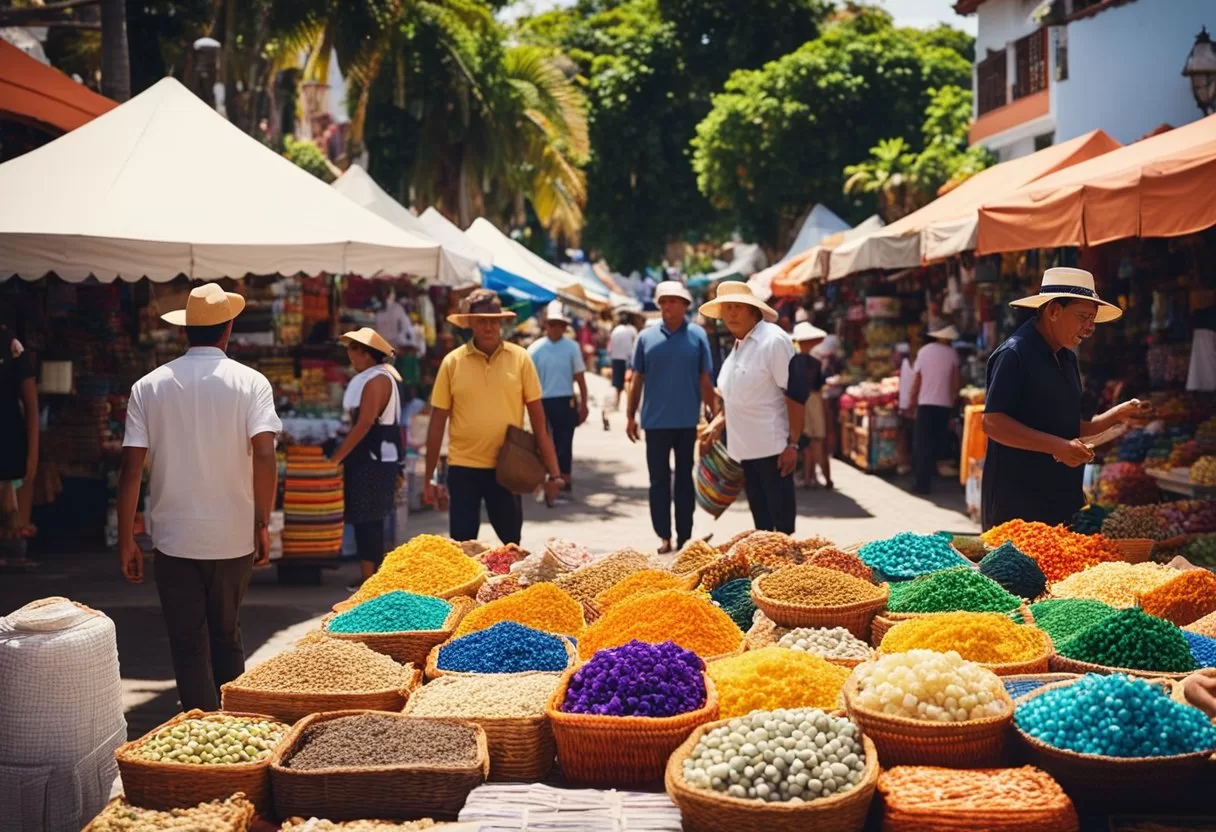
(483, 388)
(935, 387)
(621, 342)
(764, 391)
(814, 421)
(671, 383)
(559, 363)
(206, 425)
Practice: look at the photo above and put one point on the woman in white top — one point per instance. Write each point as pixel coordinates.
(371, 452)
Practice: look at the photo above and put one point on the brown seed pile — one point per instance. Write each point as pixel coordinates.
(231, 815)
(813, 544)
(830, 557)
(586, 582)
(498, 587)
(327, 665)
(697, 554)
(730, 544)
(319, 825)
(382, 740)
(769, 550)
(724, 570)
(484, 697)
(814, 586)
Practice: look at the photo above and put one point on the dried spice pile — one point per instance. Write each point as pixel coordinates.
(697, 554)
(1184, 599)
(950, 590)
(986, 637)
(1117, 584)
(829, 557)
(327, 665)
(768, 550)
(815, 586)
(1057, 551)
(427, 565)
(231, 815)
(647, 580)
(484, 697)
(773, 678)
(373, 739)
(540, 606)
(586, 582)
(671, 615)
(724, 570)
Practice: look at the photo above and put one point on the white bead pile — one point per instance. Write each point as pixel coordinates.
(924, 684)
(827, 643)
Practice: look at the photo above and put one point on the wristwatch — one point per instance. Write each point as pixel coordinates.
(259, 524)
(551, 478)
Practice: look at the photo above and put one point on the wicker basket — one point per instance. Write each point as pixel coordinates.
(162, 785)
(469, 589)
(617, 751)
(1055, 814)
(291, 706)
(433, 672)
(521, 748)
(1135, 549)
(240, 824)
(855, 618)
(706, 811)
(408, 646)
(1119, 783)
(1063, 664)
(405, 792)
(977, 743)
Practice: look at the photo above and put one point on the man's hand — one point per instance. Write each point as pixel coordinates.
(435, 495)
(1200, 690)
(711, 433)
(583, 411)
(632, 430)
(131, 559)
(1134, 410)
(261, 543)
(1072, 452)
(787, 461)
(553, 487)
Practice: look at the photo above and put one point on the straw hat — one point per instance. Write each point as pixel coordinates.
(207, 305)
(1077, 284)
(735, 292)
(555, 313)
(481, 303)
(806, 331)
(368, 337)
(946, 333)
(672, 289)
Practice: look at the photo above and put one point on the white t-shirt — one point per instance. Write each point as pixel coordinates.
(906, 378)
(391, 415)
(196, 416)
(936, 363)
(753, 380)
(393, 324)
(621, 341)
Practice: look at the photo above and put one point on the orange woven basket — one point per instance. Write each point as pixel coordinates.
(615, 751)
(902, 741)
(1135, 549)
(432, 671)
(163, 785)
(408, 646)
(1048, 812)
(707, 811)
(855, 618)
(291, 706)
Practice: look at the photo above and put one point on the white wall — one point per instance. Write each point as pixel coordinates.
(1125, 68)
(1001, 22)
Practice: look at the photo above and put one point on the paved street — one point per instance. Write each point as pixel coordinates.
(609, 511)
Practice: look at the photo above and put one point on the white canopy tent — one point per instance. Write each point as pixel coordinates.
(163, 186)
(820, 223)
(455, 269)
(512, 257)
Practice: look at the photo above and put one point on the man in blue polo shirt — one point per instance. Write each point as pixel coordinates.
(671, 365)
(559, 363)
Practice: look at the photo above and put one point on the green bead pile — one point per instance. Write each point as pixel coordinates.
(1015, 571)
(1063, 618)
(952, 590)
(1132, 639)
(393, 612)
(735, 599)
(906, 555)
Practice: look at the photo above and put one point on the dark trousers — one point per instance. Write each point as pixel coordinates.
(468, 488)
(660, 444)
(562, 419)
(769, 495)
(201, 604)
(369, 541)
(929, 439)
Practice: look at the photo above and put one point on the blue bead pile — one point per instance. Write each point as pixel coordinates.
(393, 612)
(1021, 687)
(638, 679)
(1116, 716)
(1202, 648)
(507, 647)
(907, 555)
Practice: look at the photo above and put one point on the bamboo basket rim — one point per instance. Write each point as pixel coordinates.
(531, 721)
(676, 784)
(627, 724)
(433, 671)
(461, 605)
(924, 726)
(759, 598)
(125, 753)
(289, 743)
(411, 684)
(1107, 670)
(1103, 759)
(468, 588)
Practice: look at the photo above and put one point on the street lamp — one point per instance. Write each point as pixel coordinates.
(1201, 69)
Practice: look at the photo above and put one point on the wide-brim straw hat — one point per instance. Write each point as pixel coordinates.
(208, 305)
(368, 337)
(946, 333)
(672, 289)
(483, 304)
(1076, 284)
(736, 292)
(806, 331)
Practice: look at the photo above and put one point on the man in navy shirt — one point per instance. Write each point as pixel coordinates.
(671, 363)
(1032, 406)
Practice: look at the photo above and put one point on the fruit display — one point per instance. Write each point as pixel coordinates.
(1203, 472)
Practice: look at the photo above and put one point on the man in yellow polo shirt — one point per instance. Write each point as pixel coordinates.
(484, 387)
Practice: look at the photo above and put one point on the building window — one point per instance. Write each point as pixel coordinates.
(990, 81)
(1030, 58)
(1045, 140)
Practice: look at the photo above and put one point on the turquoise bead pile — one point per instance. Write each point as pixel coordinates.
(393, 612)
(1014, 570)
(1115, 716)
(507, 647)
(907, 555)
(735, 599)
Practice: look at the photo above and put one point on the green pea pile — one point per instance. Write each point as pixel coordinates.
(1063, 618)
(735, 599)
(1015, 571)
(952, 590)
(1132, 639)
(213, 740)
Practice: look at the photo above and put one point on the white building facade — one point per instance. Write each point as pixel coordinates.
(1048, 71)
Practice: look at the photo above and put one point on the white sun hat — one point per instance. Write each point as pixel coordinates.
(1077, 284)
(736, 292)
(806, 331)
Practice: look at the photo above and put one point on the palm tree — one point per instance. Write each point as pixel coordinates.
(888, 173)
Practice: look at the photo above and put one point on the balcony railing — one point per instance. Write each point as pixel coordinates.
(1030, 60)
(990, 81)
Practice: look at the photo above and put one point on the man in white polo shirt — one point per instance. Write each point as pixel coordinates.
(206, 425)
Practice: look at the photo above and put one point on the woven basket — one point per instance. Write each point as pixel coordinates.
(238, 824)
(161, 785)
(291, 706)
(521, 748)
(1057, 815)
(1119, 783)
(706, 811)
(469, 589)
(1045, 678)
(389, 792)
(408, 646)
(901, 741)
(433, 672)
(615, 751)
(1135, 549)
(855, 618)
(1063, 664)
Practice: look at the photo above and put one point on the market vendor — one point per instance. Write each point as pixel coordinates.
(1032, 412)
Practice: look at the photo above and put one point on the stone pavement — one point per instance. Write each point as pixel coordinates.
(609, 511)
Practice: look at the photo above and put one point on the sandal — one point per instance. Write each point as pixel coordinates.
(666, 549)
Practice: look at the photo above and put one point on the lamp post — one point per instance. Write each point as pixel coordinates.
(1201, 69)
